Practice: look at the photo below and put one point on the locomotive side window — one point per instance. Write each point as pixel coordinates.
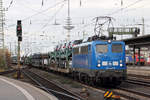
(117, 48)
(76, 51)
(84, 50)
(89, 48)
(101, 48)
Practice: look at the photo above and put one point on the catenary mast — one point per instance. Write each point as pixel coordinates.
(2, 45)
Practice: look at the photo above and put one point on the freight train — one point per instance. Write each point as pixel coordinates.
(14, 60)
(96, 60)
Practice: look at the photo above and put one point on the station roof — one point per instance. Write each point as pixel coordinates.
(141, 41)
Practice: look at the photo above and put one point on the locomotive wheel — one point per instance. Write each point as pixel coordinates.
(80, 77)
(84, 78)
(87, 80)
(71, 75)
(91, 81)
(75, 76)
(117, 83)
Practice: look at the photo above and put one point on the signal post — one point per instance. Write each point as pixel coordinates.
(19, 35)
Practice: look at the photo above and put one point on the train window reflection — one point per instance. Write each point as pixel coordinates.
(101, 48)
(76, 51)
(117, 48)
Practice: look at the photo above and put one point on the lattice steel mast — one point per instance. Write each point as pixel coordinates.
(2, 45)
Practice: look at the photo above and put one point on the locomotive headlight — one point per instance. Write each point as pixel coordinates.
(104, 63)
(109, 41)
(121, 65)
(99, 65)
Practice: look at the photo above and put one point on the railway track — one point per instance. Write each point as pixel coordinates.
(140, 93)
(125, 93)
(51, 87)
(139, 76)
(138, 82)
(8, 71)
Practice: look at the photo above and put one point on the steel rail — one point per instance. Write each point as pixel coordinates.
(121, 94)
(65, 94)
(135, 92)
(8, 71)
(138, 82)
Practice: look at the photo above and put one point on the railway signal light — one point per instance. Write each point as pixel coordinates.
(19, 35)
(20, 38)
(19, 30)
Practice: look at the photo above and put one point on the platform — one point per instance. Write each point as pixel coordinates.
(139, 70)
(11, 89)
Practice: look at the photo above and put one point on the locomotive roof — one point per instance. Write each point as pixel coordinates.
(87, 43)
(82, 44)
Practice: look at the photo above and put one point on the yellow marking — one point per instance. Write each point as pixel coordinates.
(106, 93)
(110, 95)
(115, 96)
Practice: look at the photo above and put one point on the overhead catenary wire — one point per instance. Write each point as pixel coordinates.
(130, 5)
(44, 10)
(117, 11)
(23, 4)
(10, 3)
(40, 12)
(87, 24)
(45, 25)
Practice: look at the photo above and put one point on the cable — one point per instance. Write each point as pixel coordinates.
(40, 12)
(32, 8)
(135, 8)
(53, 16)
(44, 10)
(117, 11)
(10, 4)
(86, 25)
(125, 7)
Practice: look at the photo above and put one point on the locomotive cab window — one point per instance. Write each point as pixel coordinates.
(89, 48)
(101, 48)
(84, 50)
(76, 51)
(117, 48)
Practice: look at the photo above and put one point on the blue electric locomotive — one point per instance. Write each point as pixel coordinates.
(101, 61)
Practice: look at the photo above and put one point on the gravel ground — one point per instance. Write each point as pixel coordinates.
(139, 70)
(23, 78)
(75, 87)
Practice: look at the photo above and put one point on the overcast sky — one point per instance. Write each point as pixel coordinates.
(38, 16)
